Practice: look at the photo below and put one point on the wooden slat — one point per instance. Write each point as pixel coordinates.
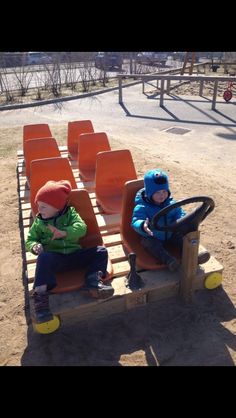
(108, 221)
(110, 240)
(117, 252)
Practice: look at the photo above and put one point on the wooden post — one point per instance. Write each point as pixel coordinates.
(189, 264)
(214, 95)
(192, 62)
(162, 92)
(168, 87)
(131, 63)
(120, 89)
(201, 88)
(185, 63)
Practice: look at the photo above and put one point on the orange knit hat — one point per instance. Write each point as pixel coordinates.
(54, 193)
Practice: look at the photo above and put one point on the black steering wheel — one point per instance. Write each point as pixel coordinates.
(190, 221)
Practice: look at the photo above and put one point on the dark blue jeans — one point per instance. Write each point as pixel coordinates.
(157, 248)
(49, 263)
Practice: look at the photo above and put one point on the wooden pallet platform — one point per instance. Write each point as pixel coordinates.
(77, 306)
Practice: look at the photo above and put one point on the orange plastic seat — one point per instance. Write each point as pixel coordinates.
(36, 149)
(131, 239)
(88, 147)
(47, 169)
(74, 279)
(74, 130)
(113, 170)
(40, 130)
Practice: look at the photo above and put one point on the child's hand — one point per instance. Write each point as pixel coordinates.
(56, 232)
(146, 229)
(37, 249)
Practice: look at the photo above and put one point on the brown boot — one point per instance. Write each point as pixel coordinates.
(41, 306)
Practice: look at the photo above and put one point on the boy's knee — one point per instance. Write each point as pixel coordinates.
(102, 250)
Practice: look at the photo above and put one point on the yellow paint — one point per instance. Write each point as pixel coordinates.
(213, 280)
(47, 327)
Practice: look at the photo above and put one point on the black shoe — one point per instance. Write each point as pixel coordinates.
(203, 257)
(41, 307)
(102, 291)
(173, 264)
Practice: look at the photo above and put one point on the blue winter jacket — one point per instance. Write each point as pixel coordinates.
(146, 208)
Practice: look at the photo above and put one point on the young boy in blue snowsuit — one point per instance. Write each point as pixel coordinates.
(150, 200)
(54, 238)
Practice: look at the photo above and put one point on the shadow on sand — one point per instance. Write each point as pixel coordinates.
(165, 333)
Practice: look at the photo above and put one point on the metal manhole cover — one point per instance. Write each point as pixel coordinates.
(179, 131)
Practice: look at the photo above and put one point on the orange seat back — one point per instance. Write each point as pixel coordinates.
(36, 149)
(81, 201)
(113, 170)
(130, 238)
(88, 147)
(39, 130)
(73, 132)
(47, 169)
(74, 280)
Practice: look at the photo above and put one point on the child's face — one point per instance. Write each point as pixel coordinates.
(160, 196)
(46, 211)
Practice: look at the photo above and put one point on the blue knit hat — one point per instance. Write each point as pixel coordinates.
(155, 180)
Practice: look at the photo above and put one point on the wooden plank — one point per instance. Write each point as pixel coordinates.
(112, 239)
(30, 258)
(27, 220)
(25, 206)
(117, 253)
(121, 268)
(106, 221)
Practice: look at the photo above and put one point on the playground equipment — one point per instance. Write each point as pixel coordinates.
(137, 278)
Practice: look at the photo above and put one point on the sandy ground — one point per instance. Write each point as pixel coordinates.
(165, 333)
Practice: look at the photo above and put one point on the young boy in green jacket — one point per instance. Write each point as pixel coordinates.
(54, 237)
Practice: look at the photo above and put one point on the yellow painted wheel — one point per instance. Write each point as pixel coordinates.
(47, 327)
(213, 280)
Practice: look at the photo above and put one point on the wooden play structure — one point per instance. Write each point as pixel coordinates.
(111, 228)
